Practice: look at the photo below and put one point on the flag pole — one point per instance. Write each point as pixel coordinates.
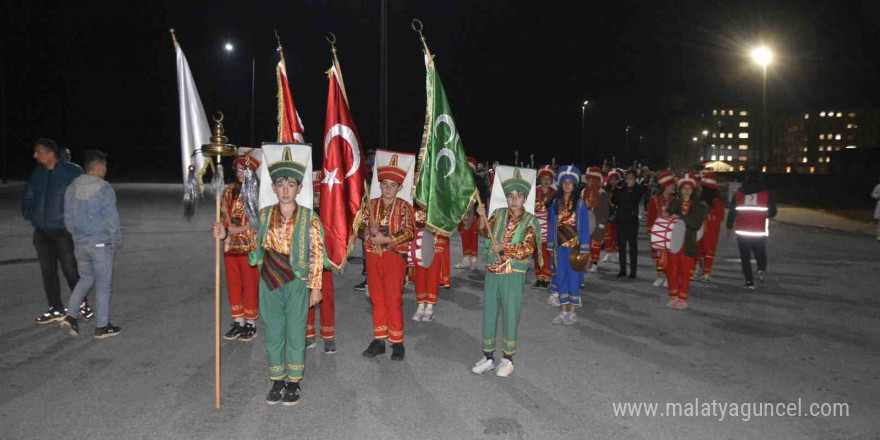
(217, 303)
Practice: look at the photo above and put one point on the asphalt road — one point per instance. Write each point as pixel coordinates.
(811, 333)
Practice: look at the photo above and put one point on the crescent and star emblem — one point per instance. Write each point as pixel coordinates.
(347, 134)
(453, 139)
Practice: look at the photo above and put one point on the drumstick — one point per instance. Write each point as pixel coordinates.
(483, 216)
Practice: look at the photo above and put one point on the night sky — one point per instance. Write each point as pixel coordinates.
(102, 74)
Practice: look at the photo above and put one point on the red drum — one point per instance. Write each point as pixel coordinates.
(668, 234)
(421, 249)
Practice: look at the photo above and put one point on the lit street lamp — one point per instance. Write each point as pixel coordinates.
(229, 47)
(763, 56)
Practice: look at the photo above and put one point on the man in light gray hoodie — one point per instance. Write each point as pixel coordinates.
(90, 216)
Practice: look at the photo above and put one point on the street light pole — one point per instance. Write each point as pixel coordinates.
(763, 56)
(253, 83)
(626, 146)
(583, 135)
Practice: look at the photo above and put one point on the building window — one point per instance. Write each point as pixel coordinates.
(805, 149)
(837, 137)
(715, 112)
(821, 148)
(829, 136)
(850, 126)
(822, 114)
(723, 135)
(743, 147)
(850, 147)
(714, 135)
(764, 169)
(743, 158)
(806, 116)
(837, 148)
(730, 112)
(852, 115)
(839, 114)
(804, 159)
(828, 159)
(743, 135)
(821, 137)
(701, 158)
(743, 124)
(729, 157)
(730, 147)
(714, 157)
(787, 169)
(812, 170)
(743, 113)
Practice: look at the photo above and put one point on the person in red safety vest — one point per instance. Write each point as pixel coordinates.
(749, 217)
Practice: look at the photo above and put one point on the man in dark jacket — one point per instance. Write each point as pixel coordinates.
(43, 207)
(626, 200)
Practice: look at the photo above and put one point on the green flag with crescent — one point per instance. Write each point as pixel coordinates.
(444, 184)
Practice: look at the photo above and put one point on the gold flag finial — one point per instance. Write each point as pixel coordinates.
(174, 38)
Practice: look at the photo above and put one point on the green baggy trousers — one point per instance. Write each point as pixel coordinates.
(285, 313)
(505, 292)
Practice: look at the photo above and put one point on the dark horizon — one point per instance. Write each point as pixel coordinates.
(103, 76)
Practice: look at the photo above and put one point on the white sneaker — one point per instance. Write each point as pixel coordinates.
(569, 319)
(560, 319)
(607, 258)
(672, 303)
(614, 258)
(464, 264)
(665, 282)
(505, 369)
(420, 313)
(553, 300)
(428, 316)
(473, 263)
(593, 267)
(483, 366)
(658, 282)
(310, 343)
(706, 278)
(760, 276)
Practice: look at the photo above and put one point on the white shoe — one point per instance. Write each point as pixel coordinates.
(473, 263)
(593, 268)
(553, 300)
(706, 278)
(569, 319)
(665, 282)
(614, 258)
(607, 258)
(658, 282)
(560, 319)
(420, 313)
(505, 369)
(464, 264)
(760, 276)
(428, 316)
(483, 366)
(672, 303)
(310, 343)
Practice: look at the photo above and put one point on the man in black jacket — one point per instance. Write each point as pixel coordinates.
(625, 201)
(43, 207)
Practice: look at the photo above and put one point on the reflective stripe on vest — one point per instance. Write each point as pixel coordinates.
(752, 211)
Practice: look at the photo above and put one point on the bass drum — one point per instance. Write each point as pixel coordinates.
(421, 249)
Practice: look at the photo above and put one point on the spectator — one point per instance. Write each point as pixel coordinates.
(627, 199)
(91, 217)
(876, 195)
(43, 207)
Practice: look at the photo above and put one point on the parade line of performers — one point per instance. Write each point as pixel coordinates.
(276, 269)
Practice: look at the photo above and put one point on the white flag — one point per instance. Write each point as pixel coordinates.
(194, 130)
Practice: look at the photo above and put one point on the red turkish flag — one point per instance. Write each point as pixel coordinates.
(290, 127)
(342, 189)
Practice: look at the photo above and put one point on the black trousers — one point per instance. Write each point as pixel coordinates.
(749, 246)
(53, 248)
(627, 237)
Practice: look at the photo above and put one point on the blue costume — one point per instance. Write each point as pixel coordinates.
(567, 228)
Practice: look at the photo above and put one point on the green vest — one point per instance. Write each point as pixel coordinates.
(299, 245)
(518, 236)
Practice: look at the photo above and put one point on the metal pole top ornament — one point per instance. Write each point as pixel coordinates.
(219, 146)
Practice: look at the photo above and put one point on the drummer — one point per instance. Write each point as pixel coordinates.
(427, 278)
(689, 208)
(569, 230)
(657, 208)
